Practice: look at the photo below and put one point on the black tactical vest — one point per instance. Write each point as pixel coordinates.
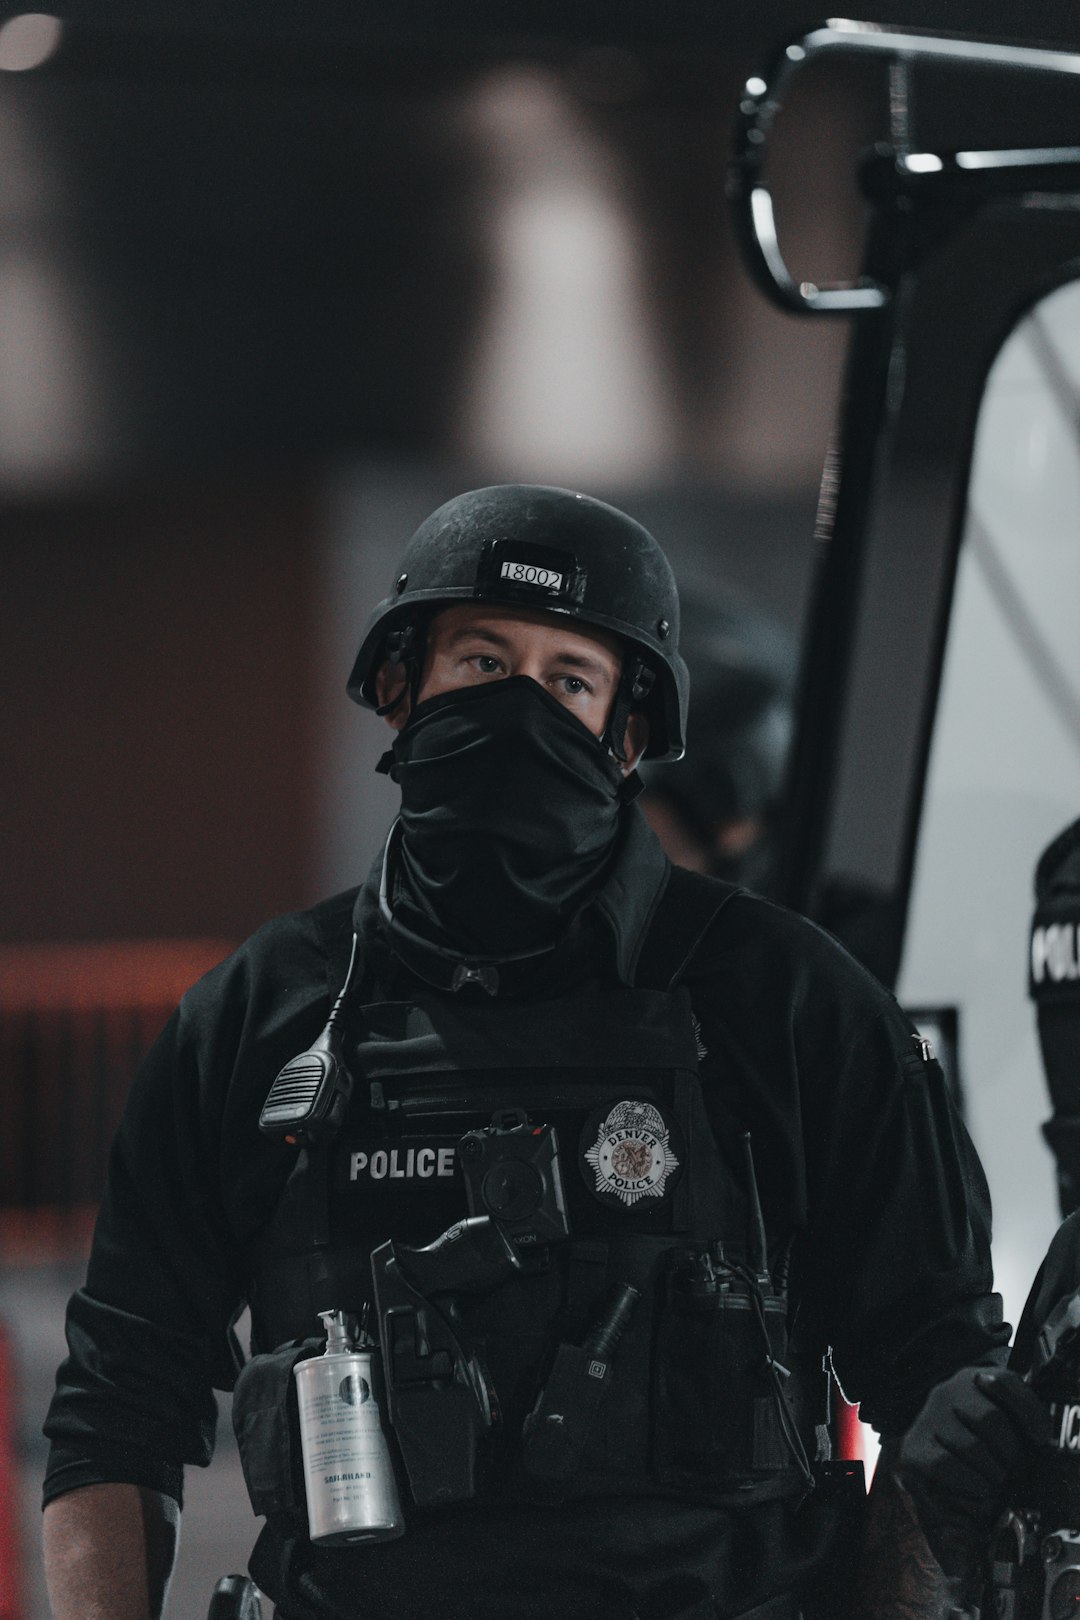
(700, 1402)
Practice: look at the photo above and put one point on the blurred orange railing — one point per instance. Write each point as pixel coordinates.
(75, 1022)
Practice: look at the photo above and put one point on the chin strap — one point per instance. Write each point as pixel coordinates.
(635, 685)
(404, 649)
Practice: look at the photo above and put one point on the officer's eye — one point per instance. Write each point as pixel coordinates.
(573, 685)
(487, 663)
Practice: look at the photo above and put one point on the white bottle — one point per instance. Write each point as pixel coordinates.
(352, 1494)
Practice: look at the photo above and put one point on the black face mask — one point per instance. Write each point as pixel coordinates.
(509, 814)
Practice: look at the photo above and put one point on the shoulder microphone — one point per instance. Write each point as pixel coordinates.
(308, 1100)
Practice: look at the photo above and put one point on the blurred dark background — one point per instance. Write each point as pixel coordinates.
(251, 258)
(273, 283)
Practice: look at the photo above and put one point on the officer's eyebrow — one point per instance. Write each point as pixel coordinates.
(569, 660)
(592, 666)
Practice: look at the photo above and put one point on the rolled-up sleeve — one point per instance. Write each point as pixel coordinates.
(150, 1335)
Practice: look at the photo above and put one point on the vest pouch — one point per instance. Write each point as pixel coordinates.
(587, 1433)
(267, 1426)
(716, 1430)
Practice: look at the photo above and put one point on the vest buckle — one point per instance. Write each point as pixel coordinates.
(481, 973)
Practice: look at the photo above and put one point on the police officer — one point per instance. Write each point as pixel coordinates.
(706, 1150)
(717, 810)
(983, 1441)
(1054, 986)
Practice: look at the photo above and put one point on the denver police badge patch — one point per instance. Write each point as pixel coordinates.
(632, 1158)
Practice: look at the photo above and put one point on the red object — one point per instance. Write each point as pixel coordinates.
(11, 1606)
(104, 975)
(849, 1435)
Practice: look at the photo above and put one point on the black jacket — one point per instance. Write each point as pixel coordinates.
(860, 1157)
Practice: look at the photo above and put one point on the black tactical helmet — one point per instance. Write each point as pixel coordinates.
(742, 665)
(528, 545)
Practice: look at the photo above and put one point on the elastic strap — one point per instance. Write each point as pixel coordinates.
(404, 647)
(635, 684)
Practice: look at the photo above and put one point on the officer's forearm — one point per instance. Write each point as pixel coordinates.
(898, 1578)
(109, 1552)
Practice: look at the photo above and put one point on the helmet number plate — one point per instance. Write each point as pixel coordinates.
(524, 573)
(512, 570)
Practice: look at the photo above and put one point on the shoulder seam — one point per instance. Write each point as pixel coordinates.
(687, 908)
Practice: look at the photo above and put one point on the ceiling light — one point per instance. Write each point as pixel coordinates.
(28, 40)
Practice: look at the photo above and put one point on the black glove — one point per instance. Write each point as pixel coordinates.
(957, 1460)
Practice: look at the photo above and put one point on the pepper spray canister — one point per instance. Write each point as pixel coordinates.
(352, 1494)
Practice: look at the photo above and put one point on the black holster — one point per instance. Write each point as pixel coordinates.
(267, 1425)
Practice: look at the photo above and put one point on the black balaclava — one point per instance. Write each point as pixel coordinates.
(509, 815)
